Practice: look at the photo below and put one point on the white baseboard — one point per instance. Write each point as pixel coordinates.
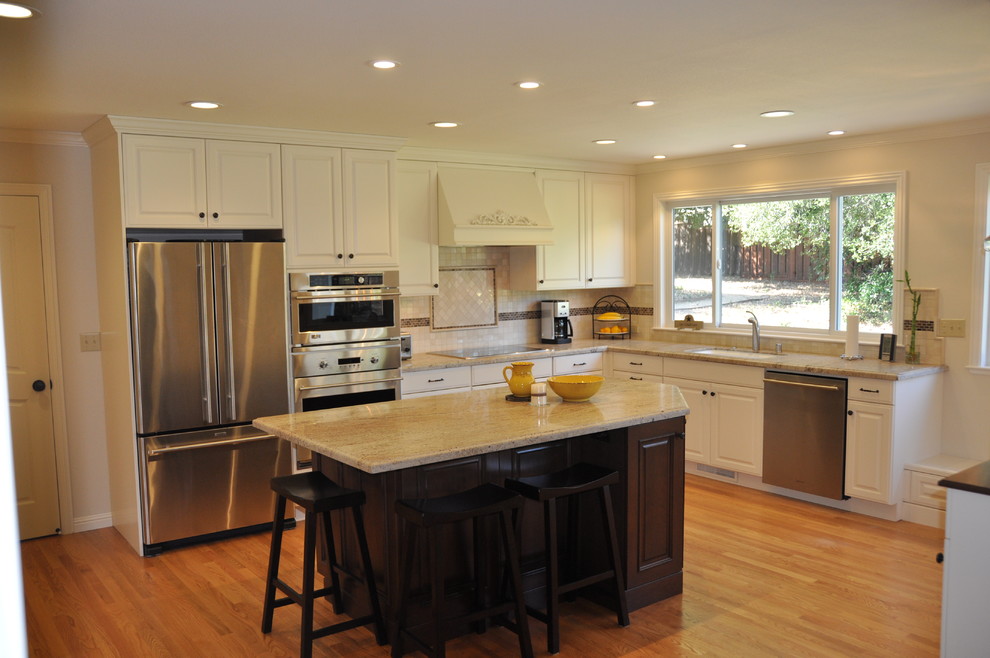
(92, 522)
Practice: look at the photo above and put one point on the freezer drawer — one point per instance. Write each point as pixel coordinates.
(199, 483)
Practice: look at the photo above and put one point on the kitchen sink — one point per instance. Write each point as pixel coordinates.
(735, 354)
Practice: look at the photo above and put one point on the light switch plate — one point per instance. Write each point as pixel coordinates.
(955, 328)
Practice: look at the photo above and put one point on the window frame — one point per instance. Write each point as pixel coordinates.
(663, 317)
(980, 340)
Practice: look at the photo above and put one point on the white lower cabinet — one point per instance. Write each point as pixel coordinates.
(868, 451)
(725, 425)
(422, 383)
(588, 363)
(636, 367)
(966, 579)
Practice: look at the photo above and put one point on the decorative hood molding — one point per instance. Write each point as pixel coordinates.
(491, 207)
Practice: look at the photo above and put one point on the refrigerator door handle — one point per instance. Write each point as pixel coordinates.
(230, 391)
(157, 452)
(205, 338)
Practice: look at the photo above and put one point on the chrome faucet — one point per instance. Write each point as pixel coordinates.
(756, 330)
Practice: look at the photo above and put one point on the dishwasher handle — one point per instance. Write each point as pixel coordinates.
(783, 381)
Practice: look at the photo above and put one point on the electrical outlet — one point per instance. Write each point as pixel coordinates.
(89, 342)
(952, 328)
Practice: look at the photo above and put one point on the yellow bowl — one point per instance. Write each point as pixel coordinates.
(575, 388)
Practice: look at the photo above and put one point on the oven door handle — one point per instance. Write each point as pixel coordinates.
(155, 452)
(375, 381)
(358, 295)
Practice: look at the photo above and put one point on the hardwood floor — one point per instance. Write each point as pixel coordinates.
(764, 576)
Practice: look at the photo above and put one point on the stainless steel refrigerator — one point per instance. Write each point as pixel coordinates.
(210, 355)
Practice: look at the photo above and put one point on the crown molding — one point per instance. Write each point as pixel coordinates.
(918, 134)
(174, 128)
(42, 137)
(510, 160)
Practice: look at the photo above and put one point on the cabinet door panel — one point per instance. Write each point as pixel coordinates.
(609, 241)
(164, 181)
(868, 448)
(561, 265)
(370, 220)
(244, 184)
(416, 200)
(313, 232)
(737, 429)
(697, 444)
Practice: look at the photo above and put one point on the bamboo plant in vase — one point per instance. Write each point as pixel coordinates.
(911, 354)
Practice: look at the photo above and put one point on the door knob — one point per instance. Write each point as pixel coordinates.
(38, 385)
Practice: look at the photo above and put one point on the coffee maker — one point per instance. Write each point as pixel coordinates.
(555, 323)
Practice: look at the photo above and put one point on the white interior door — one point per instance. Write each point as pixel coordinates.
(28, 366)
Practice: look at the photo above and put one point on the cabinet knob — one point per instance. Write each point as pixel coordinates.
(202, 215)
(350, 255)
(849, 413)
(216, 215)
(38, 385)
(340, 255)
(589, 280)
(436, 285)
(939, 558)
(703, 392)
(712, 394)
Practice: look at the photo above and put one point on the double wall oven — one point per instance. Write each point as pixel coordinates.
(345, 340)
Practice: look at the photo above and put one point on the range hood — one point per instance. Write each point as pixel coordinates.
(489, 207)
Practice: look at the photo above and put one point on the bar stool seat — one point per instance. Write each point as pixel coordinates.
(567, 483)
(431, 514)
(318, 496)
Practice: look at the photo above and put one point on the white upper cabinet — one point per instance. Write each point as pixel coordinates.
(592, 232)
(183, 182)
(416, 199)
(339, 207)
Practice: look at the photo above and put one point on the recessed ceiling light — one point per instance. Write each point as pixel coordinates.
(775, 114)
(384, 64)
(444, 124)
(659, 157)
(645, 103)
(529, 84)
(10, 10)
(836, 132)
(203, 105)
(739, 146)
(604, 141)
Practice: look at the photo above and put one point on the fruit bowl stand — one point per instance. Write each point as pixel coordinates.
(611, 318)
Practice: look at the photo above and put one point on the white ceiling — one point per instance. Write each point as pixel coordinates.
(712, 66)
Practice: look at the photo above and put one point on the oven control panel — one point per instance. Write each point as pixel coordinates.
(344, 359)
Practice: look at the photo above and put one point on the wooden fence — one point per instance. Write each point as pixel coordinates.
(693, 257)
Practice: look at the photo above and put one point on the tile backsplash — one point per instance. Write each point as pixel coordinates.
(518, 311)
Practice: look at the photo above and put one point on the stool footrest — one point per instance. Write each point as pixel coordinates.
(584, 582)
(342, 626)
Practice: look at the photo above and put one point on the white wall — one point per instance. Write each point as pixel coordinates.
(940, 215)
(66, 169)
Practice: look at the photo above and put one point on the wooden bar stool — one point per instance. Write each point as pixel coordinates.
(430, 515)
(546, 489)
(319, 496)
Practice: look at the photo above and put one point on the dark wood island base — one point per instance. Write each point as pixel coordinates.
(649, 508)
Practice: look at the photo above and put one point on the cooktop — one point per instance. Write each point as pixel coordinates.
(493, 350)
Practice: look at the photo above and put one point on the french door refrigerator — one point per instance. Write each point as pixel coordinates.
(210, 355)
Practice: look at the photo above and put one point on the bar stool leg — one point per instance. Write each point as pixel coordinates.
(553, 576)
(437, 575)
(274, 556)
(405, 582)
(369, 576)
(309, 576)
(509, 538)
(613, 555)
(332, 561)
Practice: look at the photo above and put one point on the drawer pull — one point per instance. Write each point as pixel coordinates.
(633, 363)
(575, 365)
(636, 379)
(869, 390)
(434, 381)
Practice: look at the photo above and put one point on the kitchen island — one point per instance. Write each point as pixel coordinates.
(427, 447)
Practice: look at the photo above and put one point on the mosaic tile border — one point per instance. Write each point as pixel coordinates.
(921, 325)
(507, 316)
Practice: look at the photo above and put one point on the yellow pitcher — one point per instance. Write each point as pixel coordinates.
(522, 378)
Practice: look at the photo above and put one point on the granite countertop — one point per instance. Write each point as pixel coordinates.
(389, 436)
(794, 361)
(975, 479)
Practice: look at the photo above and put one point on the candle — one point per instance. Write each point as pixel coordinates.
(852, 335)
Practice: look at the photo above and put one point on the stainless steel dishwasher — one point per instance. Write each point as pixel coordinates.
(804, 433)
